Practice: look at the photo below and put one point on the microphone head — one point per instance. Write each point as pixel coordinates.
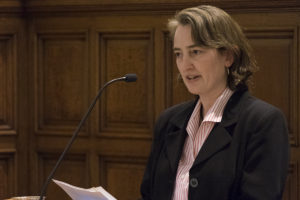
(130, 77)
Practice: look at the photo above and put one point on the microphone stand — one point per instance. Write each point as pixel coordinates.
(127, 78)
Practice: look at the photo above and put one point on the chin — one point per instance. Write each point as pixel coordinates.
(193, 92)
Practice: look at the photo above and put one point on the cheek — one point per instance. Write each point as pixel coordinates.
(179, 65)
(220, 74)
(214, 71)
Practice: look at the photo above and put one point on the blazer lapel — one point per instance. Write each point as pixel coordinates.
(176, 138)
(174, 146)
(220, 135)
(217, 139)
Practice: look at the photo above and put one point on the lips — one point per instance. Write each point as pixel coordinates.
(192, 77)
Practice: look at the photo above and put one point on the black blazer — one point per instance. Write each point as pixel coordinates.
(245, 156)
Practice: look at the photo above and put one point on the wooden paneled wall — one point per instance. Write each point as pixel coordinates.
(55, 55)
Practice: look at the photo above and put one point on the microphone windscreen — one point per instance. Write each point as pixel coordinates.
(130, 77)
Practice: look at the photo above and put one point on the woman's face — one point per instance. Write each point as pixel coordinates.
(203, 70)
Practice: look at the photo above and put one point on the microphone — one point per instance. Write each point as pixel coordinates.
(130, 77)
(126, 78)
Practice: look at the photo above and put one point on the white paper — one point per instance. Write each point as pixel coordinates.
(77, 193)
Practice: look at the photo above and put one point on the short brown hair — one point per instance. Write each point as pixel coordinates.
(214, 28)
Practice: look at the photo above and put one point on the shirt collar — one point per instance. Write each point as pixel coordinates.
(215, 113)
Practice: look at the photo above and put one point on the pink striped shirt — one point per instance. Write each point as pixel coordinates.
(197, 134)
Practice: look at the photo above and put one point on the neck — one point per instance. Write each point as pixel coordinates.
(208, 100)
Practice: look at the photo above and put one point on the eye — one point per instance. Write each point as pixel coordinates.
(196, 51)
(177, 54)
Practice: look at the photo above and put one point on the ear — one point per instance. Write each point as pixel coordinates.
(229, 58)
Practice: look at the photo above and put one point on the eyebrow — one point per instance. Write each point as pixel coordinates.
(189, 47)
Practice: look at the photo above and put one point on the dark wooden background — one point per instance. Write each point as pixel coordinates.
(55, 55)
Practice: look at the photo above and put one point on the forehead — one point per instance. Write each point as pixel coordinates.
(183, 36)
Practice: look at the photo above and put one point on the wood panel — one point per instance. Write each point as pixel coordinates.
(7, 175)
(122, 110)
(8, 90)
(119, 172)
(11, 7)
(61, 74)
(13, 140)
(73, 170)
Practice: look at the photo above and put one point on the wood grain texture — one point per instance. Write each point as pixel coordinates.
(7, 175)
(62, 74)
(8, 80)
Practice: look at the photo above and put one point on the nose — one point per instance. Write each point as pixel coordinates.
(186, 62)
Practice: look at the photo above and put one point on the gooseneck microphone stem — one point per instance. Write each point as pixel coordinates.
(127, 78)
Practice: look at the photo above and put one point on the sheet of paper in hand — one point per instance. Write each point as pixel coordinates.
(77, 193)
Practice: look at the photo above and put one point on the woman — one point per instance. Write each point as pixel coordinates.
(226, 144)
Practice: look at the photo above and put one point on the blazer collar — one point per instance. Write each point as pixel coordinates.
(217, 139)
(181, 118)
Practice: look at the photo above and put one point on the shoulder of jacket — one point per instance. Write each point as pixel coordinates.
(259, 109)
(259, 105)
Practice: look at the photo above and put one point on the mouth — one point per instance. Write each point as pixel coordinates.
(192, 77)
